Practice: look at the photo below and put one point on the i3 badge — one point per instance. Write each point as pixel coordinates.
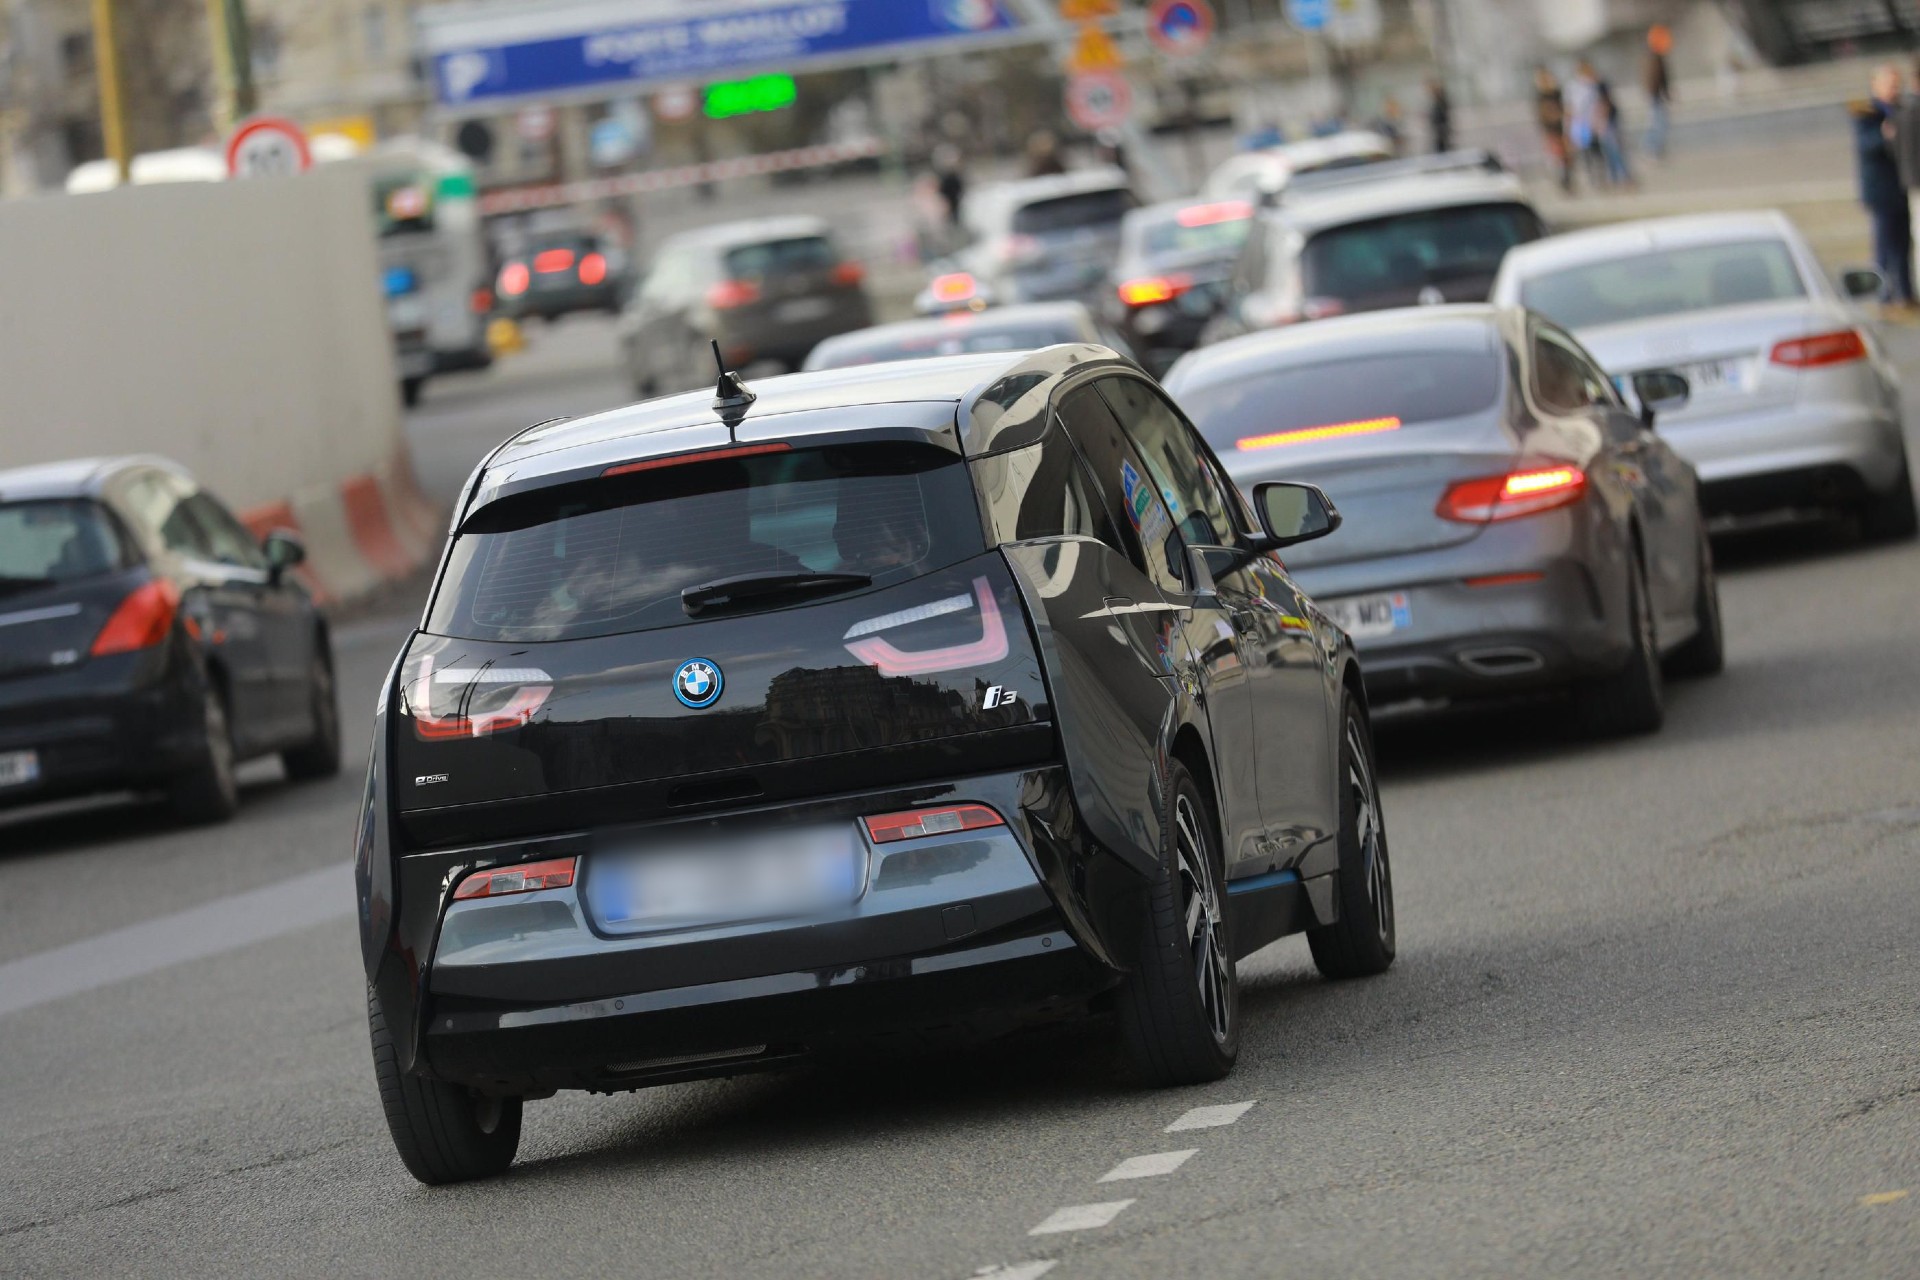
(698, 683)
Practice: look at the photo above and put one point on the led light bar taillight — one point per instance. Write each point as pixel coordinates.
(890, 660)
(1507, 497)
(485, 700)
(1305, 435)
(526, 877)
(887, 828)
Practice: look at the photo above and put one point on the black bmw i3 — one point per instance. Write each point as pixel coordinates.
(927, 698)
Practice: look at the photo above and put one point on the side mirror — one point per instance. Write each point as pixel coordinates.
(1861, 283)
(1293, 513)
(284, 550)
(1659, 391)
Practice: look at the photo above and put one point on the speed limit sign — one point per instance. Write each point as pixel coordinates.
(268, 147)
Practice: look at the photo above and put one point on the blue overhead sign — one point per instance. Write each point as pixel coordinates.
(1307, 15)
(530, 52)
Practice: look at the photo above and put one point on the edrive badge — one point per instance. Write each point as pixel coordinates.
(698, 683)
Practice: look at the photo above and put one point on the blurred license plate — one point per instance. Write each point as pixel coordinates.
(18, 768)
(1364, 617)
(786, 873)
(802, 309)
(1716, 375)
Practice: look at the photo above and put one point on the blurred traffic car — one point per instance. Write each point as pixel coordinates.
(1035, 240)
(1175, 260)
(1022, 328)
(1261, 177)
(767, 290)
(1795, 407)
(1389, 235)
(558, 274)
(1511, 523)
(148, 641)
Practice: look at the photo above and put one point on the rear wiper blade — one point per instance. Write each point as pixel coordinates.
(753, 586)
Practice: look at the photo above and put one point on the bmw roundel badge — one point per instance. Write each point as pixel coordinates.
(698, 683)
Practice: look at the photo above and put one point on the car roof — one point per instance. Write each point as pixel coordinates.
(72, 478)
(1623, 239)
(998, 198)
(1317, 210)
(1072, 316)
(727, 235)
(1467, 327)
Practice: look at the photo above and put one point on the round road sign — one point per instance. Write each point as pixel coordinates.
(675, 103)
(268, 147)
(1099, 100)
(1180, 27)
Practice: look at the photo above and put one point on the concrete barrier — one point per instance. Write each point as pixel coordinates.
(235, 327)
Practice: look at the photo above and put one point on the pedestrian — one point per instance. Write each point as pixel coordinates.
(1659, 86)
(950, 171)
(1609, 136)
(1439, 116)
(1043, 155)
(1906, 136)
(1882, 191)
(1583, 111)
(1550, 113)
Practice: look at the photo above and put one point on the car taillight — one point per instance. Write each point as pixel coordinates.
(593, 269)
(1148, 290)
(729, 294)
(1507, 497)
(849, 274)
(142, 620)
(1322, 308)
(527, 877)
(548, 261)
(886, 828)
(1303, 435)
(864, 644)
(481, 300)
(955, 286)
(514, 279)
(1842, 347)
(471, 702)
(700, 455)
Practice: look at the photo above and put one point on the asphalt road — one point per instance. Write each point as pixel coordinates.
(1655, 1013)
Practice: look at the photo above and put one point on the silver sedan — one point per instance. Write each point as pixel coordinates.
(1795, 409)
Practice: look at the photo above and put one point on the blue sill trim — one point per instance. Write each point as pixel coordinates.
(1271, 880)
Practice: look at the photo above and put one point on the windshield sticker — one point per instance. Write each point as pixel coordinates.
(1148, 516)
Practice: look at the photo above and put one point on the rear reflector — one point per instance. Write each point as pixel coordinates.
(705, 455)
(1332, 431)
(142, 620)
(1842, 347)
(551, 260)
(514, 279)
(887, 828)
(890, 661)
(1507, 497)
(498, 882)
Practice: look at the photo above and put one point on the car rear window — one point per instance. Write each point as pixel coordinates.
(1343, 397)
(44, 543)
(1410, 251)
(781, 257)
(613, 555)
(1664, 283)
(1066, 213)
(960, 339)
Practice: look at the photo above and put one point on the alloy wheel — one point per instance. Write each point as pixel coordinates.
(1200, 904)
(1371, 833)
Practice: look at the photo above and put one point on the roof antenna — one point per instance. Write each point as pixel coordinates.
(731, 396)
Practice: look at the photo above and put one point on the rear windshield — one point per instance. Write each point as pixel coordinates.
(46, 543)
(1407, 252)
(1196, 231)
(781, 257)
(1357, 396)
(614, 555)
(961, 339)
(1066, 213)
(1665, 283)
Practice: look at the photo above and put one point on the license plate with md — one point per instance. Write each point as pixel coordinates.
(712, 881)
(19, 768)
(1372, 616)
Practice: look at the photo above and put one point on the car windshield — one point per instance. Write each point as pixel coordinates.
(614, 555)
(1196, 230)
(1670, 282)
(959, 339)
(48, 542)
(1359, 396)
(1070, 213)
(781, 257)
(1409, 251)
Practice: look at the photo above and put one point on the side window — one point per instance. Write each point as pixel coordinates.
(1139, 518)
(1201, 504)
(157, 502)
(225, 537)
(1560, 380)
(1043, 491)
(1593, 378)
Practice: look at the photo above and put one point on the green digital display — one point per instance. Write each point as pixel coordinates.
(744, 97)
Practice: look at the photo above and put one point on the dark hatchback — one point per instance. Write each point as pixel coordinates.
(147, 641)
(559, 274)
(1176, 261)
(927, 698)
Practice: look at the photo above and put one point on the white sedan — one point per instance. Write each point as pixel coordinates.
(1795, 408)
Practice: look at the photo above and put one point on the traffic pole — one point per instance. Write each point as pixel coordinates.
(232, 62)
(113, 103)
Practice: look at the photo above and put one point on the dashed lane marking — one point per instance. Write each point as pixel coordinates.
(1080, 1217)
(1149, 1166)
(1017, 1271)
(1210, 1117)
(1883, 1197)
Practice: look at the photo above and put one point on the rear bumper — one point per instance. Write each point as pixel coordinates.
(121, 723)
(1739, 456)
(552, 303)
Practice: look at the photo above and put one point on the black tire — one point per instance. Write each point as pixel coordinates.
(443, 1133)
(1361, 943)
(410, 391)
(1892, 517)
(1706, 653)
(1633, 699)
(1180, 1007)
(209, 790)
(320, 757)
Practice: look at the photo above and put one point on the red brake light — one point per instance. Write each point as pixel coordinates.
(1151, 289)
(1842, 347)
(548, 261)
(886, 828)
(729, 294)
(1507, 497)
(514, 279)
(849, 274)
(1333, 431)
(498, 882)
(483, 700)
(481, 301)
(892, 661)
(704, 455)
(593, 269)
(1206, 215)
(142, 620)
(956, 286)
